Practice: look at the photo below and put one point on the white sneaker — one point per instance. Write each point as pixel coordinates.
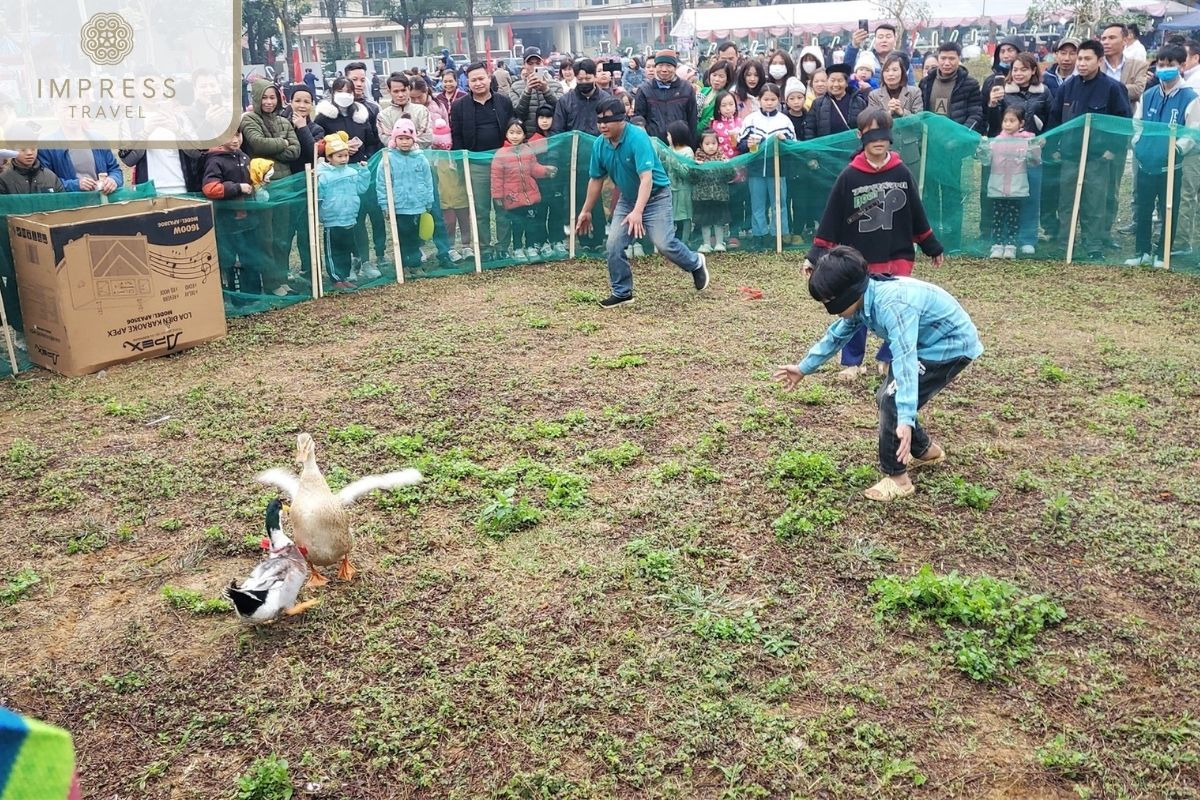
(1010, 251)
(370, 272)
(638, 250)
(1027, 250)
(280, 291)
(547, 250)
(720, 247)
(534, 253)
(353, 278)
(560, 249)
(997, 251)
(1139, 261)
(455, 256)
(704, 248)
(1159, 263)
(629, 252)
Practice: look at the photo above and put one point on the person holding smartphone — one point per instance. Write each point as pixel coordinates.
(533, 89)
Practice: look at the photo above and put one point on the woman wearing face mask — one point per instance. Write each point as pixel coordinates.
(718, 78)
(750, 82)
(1024, 89)
(812, 61)
(780, 67)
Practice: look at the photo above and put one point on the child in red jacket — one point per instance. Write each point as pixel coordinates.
(515, 170)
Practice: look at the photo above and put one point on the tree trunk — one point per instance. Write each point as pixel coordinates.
(332, 6)
(418, 46)
(469, 21)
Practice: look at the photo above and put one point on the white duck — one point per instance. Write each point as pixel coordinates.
(319, 517)
(272, 588)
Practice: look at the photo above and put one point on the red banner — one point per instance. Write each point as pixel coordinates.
(362, 47)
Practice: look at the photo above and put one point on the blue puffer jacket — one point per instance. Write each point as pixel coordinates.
(340, 190)
(59, 162)
(412, 182)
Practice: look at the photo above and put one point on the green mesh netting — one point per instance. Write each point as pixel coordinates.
(489, 214)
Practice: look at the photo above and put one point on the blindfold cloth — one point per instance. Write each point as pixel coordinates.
(846, 298)
(876, 135)
(611, 110)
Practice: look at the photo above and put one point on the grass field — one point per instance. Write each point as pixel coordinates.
(637, 568)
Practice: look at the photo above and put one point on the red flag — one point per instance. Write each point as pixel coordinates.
(408, 40)
(297, 67)
(270, 55)
(616, 33)
(362, 47)
(458, 35)
(510, 37)
(312, 43)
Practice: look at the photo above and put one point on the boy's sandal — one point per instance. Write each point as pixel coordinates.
(850, 373)
(915, 462)
(888, 490)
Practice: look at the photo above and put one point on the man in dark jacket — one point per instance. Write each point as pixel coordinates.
(477, 123)
(534, 89)
(576, 109)
(1090, 91)
(951, 92)
(23, 175)
(666, 98)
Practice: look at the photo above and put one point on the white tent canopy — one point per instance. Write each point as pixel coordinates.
(833, 17)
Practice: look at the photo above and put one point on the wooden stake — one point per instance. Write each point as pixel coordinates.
(778, 203)
(471, 210)
(924, 153)
(1167, 220)
(314, 230)
(8, 339)
(391, 202)
(317, 244)
(574, 158)
(1087, 132)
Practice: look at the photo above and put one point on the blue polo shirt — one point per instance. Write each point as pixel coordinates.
(624, 163)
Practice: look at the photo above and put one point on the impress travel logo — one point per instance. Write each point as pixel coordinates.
(157, 73)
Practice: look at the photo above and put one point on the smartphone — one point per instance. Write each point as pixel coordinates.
(357, 142)
(612, 66)
(864, 25)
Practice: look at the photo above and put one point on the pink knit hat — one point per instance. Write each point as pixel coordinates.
(404, 127)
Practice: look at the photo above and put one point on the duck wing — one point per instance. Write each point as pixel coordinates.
(268, 575)
(283, 480)
(390, 480)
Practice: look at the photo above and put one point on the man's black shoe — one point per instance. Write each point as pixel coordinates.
(700, 275)
(612, 301)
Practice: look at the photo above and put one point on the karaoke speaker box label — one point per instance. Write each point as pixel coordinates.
(118, 282)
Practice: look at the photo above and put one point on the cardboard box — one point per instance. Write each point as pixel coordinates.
(107, 284)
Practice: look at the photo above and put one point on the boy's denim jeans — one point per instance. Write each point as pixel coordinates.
(660, 228)
(931, 379)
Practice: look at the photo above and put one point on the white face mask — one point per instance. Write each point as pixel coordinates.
(809, 67)
(342, 99)
(777, 71)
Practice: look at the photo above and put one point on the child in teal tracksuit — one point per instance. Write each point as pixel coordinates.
(412, 188)
(340, 189)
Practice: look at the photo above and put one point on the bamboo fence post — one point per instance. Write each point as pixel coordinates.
(574, 199)
(314, 230)
(8, 339)
(471, 210)
(1170, 206)
(391, 202)
(1083, 150)
(778, 202)
(924, 154)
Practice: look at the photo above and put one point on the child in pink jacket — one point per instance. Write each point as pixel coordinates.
(1009, 154)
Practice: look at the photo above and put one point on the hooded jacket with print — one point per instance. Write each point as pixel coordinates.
(879, 213)
(412, 181)
(514, 173)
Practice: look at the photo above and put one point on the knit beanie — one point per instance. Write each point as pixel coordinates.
(793, 86)
(291, 90)
(404, 127)
(336, 143)
(667, 57)
(441, 135)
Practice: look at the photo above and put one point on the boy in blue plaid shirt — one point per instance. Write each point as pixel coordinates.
(932, 340)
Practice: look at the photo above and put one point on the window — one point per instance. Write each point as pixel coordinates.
(372, 8)
(379, 46)
(637, 31)
(592, 34)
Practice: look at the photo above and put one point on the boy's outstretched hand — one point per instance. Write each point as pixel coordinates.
(789, 375)
(939, 259)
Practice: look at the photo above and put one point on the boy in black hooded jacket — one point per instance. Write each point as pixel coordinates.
(227, 177)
